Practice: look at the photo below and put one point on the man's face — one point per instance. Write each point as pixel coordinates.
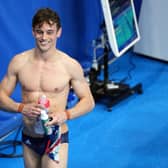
(46, 36)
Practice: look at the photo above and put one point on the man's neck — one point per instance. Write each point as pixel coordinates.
(46, 55)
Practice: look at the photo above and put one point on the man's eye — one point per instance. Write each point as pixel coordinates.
(50, 32)
(39, 32)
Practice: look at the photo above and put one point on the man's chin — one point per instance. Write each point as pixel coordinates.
(43, 48)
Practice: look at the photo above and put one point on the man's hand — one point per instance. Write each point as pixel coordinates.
(57, 118)
(32, 110)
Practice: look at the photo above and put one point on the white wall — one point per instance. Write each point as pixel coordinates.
(153, 25)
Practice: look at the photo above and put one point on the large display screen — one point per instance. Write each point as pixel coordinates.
(121, 25)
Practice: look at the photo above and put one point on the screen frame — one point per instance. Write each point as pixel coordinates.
(109, 23)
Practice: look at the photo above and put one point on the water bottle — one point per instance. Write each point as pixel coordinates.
(44, 102)
(45, 119)
(44, 116)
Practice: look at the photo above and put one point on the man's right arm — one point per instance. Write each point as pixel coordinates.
(6, 88)
(8, 85)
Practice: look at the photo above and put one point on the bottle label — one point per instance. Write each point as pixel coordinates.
(44, 116)
(38, 128)
(44, 101)
(47, 129)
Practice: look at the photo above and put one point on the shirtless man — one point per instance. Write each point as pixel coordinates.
(45, 70)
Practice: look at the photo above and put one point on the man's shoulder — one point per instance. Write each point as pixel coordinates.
(72, 62)
(72, 65)
(20, 59)
(65, 58)
(24, 54)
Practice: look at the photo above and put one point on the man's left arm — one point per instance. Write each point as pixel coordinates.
(82, 90)
(86, 101)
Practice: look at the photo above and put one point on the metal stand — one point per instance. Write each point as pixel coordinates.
(108, 91)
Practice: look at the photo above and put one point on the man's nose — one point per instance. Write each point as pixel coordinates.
(44, 36)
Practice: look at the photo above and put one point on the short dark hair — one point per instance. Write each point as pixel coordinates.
(46, 15)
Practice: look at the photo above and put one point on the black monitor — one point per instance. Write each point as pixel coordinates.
(121, 25)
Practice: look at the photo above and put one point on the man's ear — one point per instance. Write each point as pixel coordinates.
(59, 32)
(32, 31)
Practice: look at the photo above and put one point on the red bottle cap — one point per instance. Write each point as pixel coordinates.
(44, 101)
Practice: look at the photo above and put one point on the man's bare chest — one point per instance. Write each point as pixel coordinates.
(43, 78)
